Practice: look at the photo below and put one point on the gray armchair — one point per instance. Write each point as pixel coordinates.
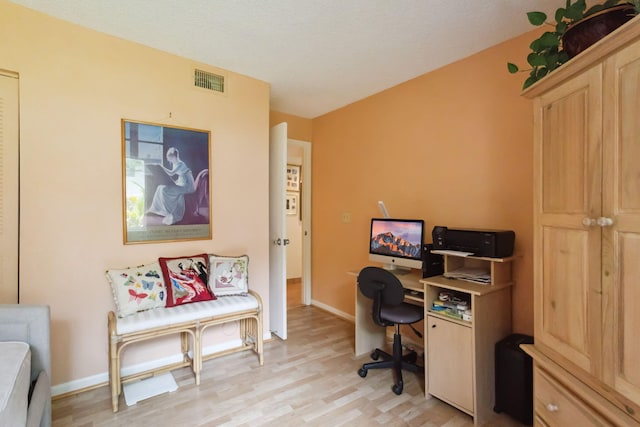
(31, 324)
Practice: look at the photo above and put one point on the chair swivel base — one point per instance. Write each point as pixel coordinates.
(397, 361)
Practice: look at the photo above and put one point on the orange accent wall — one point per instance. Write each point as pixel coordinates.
(75, 87)
(453, 147)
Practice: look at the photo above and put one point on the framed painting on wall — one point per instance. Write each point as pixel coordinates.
(292, 204)
(293, 178)
(165, 183)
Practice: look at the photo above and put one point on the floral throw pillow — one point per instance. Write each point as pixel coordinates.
(137, 288)
(228, 275)
(186, 279)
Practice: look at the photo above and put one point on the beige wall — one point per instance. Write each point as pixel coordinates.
(75, 87)
(453, 147)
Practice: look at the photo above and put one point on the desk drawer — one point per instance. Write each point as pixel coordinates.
(556, 405)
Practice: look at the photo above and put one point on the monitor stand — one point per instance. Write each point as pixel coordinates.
(398, 271)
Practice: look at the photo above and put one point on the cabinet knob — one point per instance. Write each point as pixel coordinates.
(552, 408)
(433, 326)
(604, 221)
(589, 222)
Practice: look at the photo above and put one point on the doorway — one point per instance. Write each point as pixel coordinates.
(281, 206)
(298, 220)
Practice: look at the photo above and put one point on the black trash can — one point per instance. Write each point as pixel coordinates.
(514, 378)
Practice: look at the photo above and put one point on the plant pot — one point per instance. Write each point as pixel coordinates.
(586, 32)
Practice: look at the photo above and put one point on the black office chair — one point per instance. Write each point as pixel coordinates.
(387, 294)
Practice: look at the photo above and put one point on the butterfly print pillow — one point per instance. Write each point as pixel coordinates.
(137, 289)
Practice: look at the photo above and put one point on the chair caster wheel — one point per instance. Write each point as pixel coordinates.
(362, 372)
(375, 355)
(397, 388)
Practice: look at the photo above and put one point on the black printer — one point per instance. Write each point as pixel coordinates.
(483, 243)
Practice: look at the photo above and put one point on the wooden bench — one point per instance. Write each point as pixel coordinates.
(190, 321)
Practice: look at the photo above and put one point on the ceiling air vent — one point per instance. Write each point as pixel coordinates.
(207, 80)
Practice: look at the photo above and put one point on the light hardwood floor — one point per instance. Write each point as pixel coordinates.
(294, 293)
(309, 380)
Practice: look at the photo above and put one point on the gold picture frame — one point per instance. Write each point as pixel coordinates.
(165, 183)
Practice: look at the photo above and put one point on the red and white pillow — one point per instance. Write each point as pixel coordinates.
(186, 279)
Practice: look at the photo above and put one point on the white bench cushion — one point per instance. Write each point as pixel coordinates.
(159, 317)
(15, 379)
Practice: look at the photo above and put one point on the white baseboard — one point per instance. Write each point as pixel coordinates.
(102, 378)
(333, 310)
(80, 384)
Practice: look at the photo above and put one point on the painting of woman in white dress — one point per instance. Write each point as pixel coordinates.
(166, 183)
(168, 200)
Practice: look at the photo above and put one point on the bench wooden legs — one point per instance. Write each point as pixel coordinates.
(114, 376)
(197, 355)
(184, 346)
(114, 368)
(250, 334)
(193, 359)
(118, 343)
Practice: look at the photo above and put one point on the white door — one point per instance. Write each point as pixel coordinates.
(278, 230)
(8, 189)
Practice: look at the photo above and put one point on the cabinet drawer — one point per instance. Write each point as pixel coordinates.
(558, 406)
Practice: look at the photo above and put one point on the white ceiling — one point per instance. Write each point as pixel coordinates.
(318, 55)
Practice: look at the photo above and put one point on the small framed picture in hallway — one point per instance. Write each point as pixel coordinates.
(293, 178)
(292, 204)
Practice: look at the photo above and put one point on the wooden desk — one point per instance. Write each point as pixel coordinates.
(459, 354)
(368, 335)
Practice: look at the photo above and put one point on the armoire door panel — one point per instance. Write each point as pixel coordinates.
(568, 157)
(566, 295)
(621, 202)
(628, 317)
(567, 240)
(563, 154)
(629, 129)
(627, 213)
(628, 182)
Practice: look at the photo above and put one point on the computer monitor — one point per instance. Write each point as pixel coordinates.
(397, 243)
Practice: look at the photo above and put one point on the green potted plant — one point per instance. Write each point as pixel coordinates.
(575, 29)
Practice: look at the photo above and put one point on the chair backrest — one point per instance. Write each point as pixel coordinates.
(383, 288)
